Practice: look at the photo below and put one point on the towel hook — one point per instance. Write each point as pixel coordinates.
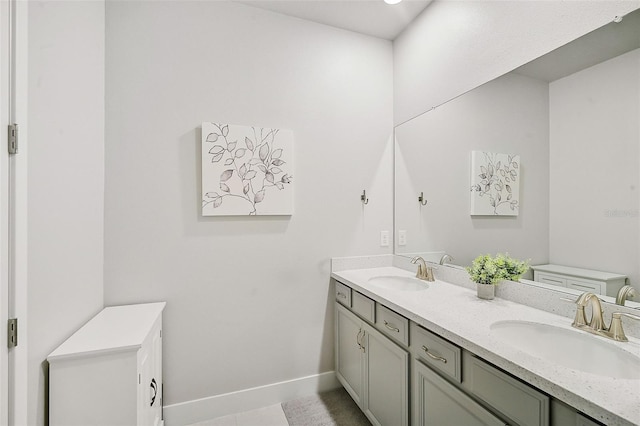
(364, 198)
(421, 199)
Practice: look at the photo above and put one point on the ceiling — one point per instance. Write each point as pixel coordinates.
(370, 17)
(609, 41)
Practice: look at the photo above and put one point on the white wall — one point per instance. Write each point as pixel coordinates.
(595, 179)
(454, 46)
(509, 115)
(65, 179)
(247, 297)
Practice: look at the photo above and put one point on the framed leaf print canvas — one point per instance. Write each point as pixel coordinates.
(246, 170)
(495, 184)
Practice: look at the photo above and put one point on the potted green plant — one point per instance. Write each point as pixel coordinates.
(488, 271)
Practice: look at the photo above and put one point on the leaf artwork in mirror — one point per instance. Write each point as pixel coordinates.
(573, 115)
(495, 184)
(246, 170)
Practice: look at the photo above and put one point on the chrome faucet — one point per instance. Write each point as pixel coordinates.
(596, 324)
(445, 257)
(625, 292)
(424, 272)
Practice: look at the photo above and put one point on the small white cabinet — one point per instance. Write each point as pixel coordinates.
(597, 282)
(373, 369)
(110, 371)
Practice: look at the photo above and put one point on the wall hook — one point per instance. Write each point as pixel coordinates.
(421, 199)
(364, 198)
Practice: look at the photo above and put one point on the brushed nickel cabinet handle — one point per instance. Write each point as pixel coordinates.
(360, 339)
(432, 356)
(344, 296)
(391, 327)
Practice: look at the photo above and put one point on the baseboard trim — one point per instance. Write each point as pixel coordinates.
(198, 410)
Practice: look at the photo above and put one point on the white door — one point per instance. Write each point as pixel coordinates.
(13, 109)
(5, 108)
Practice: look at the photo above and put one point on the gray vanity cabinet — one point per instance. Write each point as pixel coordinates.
(350, 364)
(513, 399)
(387, 379)
(448, 386)
(373, 369)
(436, 402)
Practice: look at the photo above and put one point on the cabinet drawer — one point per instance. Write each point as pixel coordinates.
(343, 294)
(436, 352)
(363, 306)
(595, 287)
(550, 279)
(392, 324)
(584, 421)
(522, 404)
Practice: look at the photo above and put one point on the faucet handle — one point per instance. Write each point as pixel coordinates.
(616, 331)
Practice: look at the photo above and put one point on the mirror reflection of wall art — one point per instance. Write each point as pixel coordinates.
(246, 170)
(495, 184)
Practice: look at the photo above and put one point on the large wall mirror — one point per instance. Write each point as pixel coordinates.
(573, 118)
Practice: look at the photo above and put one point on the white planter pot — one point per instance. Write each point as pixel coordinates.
(486, 291)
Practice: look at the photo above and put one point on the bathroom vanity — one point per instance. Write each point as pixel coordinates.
(432, 357)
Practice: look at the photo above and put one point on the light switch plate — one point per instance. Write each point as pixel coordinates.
(384, 238)
(402, 237)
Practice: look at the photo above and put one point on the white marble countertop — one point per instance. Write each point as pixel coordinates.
(457, 314)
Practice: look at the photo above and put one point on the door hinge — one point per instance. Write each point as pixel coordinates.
(13, 138)
(12, 332)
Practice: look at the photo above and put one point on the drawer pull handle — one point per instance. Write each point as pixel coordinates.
(359, 339)
(344, 296)
(391, 327)
(432, 356)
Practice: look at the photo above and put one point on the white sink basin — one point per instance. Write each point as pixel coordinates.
(394, 282)
(573, 349)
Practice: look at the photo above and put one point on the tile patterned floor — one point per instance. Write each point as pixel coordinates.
(267, 416)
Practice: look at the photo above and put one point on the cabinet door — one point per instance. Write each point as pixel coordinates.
(387, 380)
(155, 386)
(349, 359)
(150, 379)
(145, 374)
(437, 402)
